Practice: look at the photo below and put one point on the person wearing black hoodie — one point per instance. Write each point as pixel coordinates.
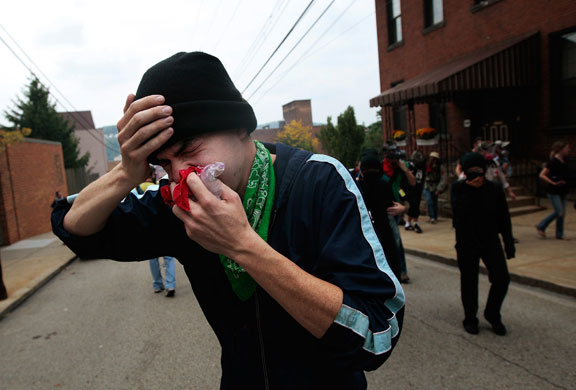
(480, 216)
(379, 198)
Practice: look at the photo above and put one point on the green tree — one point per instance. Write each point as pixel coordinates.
(344, 141)
(39, 114)
(298, 136)
(374, 134)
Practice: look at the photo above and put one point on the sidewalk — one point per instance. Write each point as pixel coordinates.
(28, 264)
(543, 262)
(546, 263)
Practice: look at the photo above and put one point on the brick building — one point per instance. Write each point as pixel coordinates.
(30, 173)
(496, 69)
(298, 110)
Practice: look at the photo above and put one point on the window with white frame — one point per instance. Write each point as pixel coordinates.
(394, 21)
(433, 12)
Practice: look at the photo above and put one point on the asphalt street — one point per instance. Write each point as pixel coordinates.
(98, 325)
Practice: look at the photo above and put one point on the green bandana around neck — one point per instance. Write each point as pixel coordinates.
(258, 201)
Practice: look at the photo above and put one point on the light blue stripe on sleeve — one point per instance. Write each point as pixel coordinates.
(353, 319)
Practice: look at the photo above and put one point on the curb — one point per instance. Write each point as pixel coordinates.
(20, 300)
(521, 279)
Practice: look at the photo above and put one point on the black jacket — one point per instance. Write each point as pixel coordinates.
(320, 222)
(480, 215)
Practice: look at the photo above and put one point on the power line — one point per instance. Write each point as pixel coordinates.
(209, 30)
(293, 47)
(344, 32)
(279, 45)
(225, 29)
(73, 113)
(260, 38)
(314, 44)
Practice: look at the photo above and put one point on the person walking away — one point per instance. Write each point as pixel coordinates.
(434, 185)
(556, 175)
(417, 166)
(158, 283)
(480, 217)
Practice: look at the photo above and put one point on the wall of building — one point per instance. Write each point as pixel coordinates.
(298, 110)
(30, 173)
(464, 30)
(92, 141)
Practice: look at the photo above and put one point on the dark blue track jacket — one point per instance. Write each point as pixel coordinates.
(319, 222)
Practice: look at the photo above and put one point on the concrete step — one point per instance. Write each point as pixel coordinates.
(524, 200)
(515, 211)
(520, 191)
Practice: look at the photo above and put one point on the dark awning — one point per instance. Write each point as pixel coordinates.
(510, 63)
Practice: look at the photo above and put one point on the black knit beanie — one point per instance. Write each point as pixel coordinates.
(370, 160)
(473, 159)
(201, 94)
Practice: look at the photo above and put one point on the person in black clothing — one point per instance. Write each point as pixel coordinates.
(556, 174)
(379, 199)
(57, 197)
(480, 215)
(417, 166)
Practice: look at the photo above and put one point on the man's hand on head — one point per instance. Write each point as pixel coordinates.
(144, 127)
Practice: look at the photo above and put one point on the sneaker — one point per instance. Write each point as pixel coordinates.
(158, 290)
(433, 221)
(541, 233)
(417, 228)
(408, 227)
(170, 293)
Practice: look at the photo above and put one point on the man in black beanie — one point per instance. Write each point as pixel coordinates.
(280, 253)
(480, 215)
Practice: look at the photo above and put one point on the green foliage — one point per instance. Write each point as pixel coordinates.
(375, 134)
(298, 136)
(39, 114)
(12, 136)
(343, 141)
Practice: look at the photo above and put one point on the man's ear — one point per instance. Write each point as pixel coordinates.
(242, 134)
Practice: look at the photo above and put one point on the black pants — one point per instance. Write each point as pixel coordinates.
(469, 262)
(414, 204)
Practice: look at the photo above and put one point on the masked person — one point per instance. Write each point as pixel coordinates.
(480, 217)
(280, 253)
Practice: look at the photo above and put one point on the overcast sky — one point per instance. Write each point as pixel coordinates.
(92, 54)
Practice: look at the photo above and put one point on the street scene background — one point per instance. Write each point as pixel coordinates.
(98, 325)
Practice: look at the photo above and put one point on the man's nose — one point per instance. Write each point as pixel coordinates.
(175, 169)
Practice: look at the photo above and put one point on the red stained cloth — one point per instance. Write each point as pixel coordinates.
(181, 191)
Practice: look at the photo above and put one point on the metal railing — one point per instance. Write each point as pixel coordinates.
(525, 174)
